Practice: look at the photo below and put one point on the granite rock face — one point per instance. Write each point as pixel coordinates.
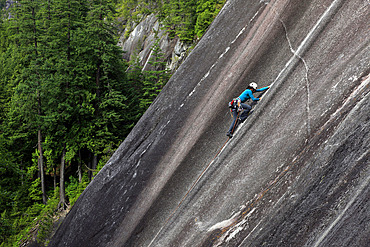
(142, 38)
(296, 173)
(8, 4)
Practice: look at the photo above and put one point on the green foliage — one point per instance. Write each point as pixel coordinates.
(34, 190)
(74, 188)
(2, 4)
(11, 189)
(207, 10)
(187, 19)
(155, 78)
(135, 79)
(179, 18)
(46, 218)
(136, 9)
(36, 221)
(145, 85)
(6, 228)
(62, 76)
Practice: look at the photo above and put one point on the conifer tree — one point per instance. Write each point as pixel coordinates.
(105, 61)
(206, 11)
(28, 98)
(67, 99)
(135, 78)
(155, 77)
(64, 24)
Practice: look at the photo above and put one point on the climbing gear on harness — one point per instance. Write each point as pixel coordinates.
(236, 104)
(253, 85)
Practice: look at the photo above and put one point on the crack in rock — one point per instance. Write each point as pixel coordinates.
(306, 77)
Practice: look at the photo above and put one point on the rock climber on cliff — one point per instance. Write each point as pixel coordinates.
(239, 109)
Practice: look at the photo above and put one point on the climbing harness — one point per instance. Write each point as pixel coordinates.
(236, 104)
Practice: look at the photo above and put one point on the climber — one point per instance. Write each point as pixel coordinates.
(241, 110)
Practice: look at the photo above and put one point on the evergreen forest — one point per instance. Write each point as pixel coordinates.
(68, 99)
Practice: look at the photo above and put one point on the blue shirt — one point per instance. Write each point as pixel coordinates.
(247, 94)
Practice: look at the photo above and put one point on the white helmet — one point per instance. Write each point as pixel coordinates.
(253, 85)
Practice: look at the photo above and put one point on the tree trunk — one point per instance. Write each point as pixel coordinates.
(62, 193)
(94, 165)
(41, 167)
(79, 170)
(55, 177)
(89, 167)
(39, 135)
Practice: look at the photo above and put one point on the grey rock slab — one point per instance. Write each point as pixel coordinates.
(295, 173)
